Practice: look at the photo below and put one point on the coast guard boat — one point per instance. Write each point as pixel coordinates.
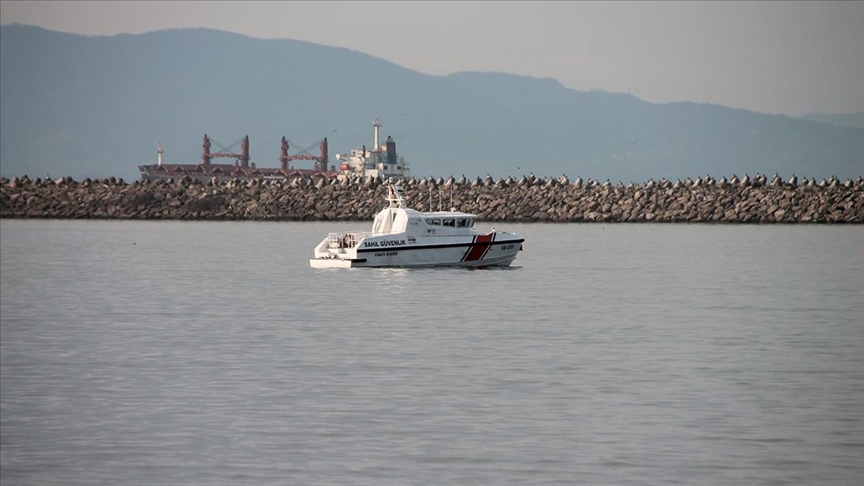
(404, 237)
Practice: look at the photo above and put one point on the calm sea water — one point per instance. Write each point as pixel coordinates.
(169, 353)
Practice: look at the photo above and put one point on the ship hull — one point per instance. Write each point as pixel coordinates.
(492, 250)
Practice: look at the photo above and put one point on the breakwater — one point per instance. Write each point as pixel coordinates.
(529, 199)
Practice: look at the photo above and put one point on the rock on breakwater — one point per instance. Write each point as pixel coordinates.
(528, 199)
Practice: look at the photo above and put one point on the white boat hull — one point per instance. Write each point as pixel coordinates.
(492, 250)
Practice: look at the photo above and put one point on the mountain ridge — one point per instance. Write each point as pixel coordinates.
(95, 106)
(853, 120)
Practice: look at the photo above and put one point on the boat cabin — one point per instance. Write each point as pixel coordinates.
(415, 223)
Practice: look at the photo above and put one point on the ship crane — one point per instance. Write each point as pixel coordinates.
(225, 152)
(320, 160)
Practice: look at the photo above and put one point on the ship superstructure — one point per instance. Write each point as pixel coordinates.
(380, 161)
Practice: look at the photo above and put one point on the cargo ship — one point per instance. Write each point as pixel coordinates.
(381, 161)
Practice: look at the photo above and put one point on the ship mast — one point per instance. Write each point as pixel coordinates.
(377, 124)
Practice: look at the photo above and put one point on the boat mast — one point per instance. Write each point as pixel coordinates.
(394, 195)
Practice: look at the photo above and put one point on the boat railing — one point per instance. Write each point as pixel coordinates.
(347, 239)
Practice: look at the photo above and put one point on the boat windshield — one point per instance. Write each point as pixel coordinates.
(452, 222)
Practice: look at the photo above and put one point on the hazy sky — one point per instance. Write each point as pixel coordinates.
(773, 57)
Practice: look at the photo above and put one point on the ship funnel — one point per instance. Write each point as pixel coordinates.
(391, 151)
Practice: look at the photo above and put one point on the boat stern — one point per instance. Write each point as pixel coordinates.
(330, 263)
(338, 250)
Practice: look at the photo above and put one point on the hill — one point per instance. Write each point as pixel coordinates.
(854, 120)
(95, 106)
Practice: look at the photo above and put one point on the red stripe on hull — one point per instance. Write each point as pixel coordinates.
(478, 251)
